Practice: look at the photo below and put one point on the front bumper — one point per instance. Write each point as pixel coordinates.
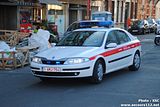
(67, 71)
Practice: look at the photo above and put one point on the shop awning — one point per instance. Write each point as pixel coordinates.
(56, 2)
(81, 2)
(19, 3)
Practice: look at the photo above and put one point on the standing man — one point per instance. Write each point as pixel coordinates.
(128, 23)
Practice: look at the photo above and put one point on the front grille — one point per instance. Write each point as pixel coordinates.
(52, 62)
(56, 73)
(74, 69)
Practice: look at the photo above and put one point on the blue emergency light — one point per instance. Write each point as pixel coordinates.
(89, 24)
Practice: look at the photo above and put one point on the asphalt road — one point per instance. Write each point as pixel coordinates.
(19, 88)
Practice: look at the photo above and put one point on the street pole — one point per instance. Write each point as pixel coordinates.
(89, 9)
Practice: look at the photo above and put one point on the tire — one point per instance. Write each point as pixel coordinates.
(149, 31)
(157, 41)
(136, 62)
(144, 31)
(98, 71)
(155, 32)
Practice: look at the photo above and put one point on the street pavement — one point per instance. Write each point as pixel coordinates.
(19, 88)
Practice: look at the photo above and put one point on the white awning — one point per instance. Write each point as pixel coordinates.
(56, 2)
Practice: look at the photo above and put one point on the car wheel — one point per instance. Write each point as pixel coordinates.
(144, 31)
(136, 62)
(157, 41)
(98, 71)
(155, 32)
(149, 31)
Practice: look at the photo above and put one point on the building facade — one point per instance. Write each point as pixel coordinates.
(133, 9)
(75, 10)
(52, 13)
(146, 9)
(158, 11)
(65, 12)
(122, 10)
(15, 12)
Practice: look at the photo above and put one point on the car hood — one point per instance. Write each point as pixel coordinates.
(56, 53)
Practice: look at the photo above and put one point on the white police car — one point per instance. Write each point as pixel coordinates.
(90, 52)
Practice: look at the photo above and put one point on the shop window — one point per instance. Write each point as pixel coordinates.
(59, 12)
(51, 12)
(55, 12)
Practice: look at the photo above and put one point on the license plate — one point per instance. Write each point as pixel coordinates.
(52, 69)
(134, 30)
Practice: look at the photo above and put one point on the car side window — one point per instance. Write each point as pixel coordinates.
(122, 37)
(73, 27)
(112, 38)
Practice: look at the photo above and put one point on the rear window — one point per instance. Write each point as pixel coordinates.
(137, 22)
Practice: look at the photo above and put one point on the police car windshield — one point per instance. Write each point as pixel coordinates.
(83, 38)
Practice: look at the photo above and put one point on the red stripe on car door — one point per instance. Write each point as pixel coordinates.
(115, 51)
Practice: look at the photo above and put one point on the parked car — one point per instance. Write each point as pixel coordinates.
(157, 30)
(152, 24)
(90, 52)
(89, 24)
(139, 27)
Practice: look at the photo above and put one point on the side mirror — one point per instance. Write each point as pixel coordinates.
(111, 45)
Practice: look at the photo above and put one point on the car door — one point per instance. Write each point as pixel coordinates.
(111, 54)
(126, 54)
(119, 56)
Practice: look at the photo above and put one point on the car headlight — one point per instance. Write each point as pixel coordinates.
(76, 60)
(37, 60)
